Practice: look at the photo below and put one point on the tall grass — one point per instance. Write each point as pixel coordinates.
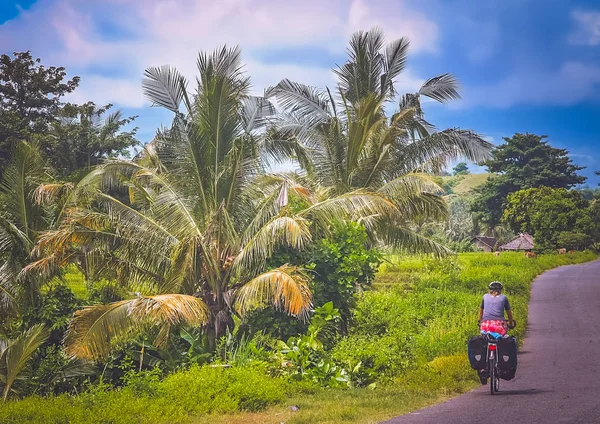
(436, 303)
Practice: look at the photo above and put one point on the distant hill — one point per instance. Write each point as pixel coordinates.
(467, 183)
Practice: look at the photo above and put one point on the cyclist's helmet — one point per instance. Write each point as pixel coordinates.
(496, 285)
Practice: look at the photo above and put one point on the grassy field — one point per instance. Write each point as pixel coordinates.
(411, 328)
(468, 183)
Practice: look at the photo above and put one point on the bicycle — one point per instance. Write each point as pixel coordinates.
(492, 358)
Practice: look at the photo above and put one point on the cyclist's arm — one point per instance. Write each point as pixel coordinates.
(510, 317)
(480, 314)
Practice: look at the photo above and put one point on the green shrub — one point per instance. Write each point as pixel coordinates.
(373, 358)
(142, 383)
(145, 399)
(574, 241)
(343, 265)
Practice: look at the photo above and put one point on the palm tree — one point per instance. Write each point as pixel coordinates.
(346, 141)
(14, 355)
(189, 227)
(21, 220)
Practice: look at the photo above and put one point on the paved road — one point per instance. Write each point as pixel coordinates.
(558, 379)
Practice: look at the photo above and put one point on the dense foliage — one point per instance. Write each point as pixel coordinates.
(557, 218)
(460, 169)
(85, 135)
(30, 99)
(523, 161)
(409, 332)
(190, 280)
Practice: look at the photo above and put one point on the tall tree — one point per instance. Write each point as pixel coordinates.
(191, 226)
(547, 213)
(461, 169)
(522, 161)
(346, 140)
(82, 136)
(30, 98)
(21, 221)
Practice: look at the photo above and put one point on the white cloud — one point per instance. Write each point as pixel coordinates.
(571, 83)
(102, 90)
(396, 20)
(73, 33)
(588, 28)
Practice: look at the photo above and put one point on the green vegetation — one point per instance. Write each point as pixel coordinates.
(522, 161)
(461, 169)
(556, 218)
(468, 183)
(190, 283)
(145, 399)
(409, 335)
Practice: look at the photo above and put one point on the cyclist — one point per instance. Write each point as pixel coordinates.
(491, 315)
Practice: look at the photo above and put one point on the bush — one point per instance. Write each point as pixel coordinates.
(373, 358)
(574, 241)
(145, 399)
(343, 266)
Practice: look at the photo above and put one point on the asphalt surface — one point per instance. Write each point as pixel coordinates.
(558, 376)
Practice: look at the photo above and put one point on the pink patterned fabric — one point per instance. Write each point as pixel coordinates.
(494, 326)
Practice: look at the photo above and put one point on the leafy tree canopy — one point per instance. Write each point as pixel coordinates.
(30, 97)
(523, 161)
(547, 213)
(85, 134)
(461, 169)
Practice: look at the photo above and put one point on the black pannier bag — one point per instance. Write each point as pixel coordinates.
(507, 357)
(507, 374)
(477, 347)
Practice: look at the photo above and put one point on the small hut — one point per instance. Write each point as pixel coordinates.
(487, 244)
(523, 242)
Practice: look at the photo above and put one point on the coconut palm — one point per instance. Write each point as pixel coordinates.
(21, 220)
(346, 140)
(190, 226)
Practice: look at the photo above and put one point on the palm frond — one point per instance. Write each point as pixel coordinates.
(402, 238)
(22, 175)
(361, 74)
(447, 145)
(301, 100)
(94, 328)
(350, 206)
(393, 64)
(165, 86)
(18, 352)
(280, 231)
(416, 195)
(285, 287)
(442, 88)
(255, 112)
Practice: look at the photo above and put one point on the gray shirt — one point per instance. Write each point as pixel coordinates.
(494, 306)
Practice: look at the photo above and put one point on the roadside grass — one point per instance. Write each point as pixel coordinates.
(438, 381)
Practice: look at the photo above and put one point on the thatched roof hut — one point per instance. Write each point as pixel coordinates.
(522, 242)
(487, 244)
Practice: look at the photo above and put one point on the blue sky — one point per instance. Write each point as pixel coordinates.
(524, 65)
